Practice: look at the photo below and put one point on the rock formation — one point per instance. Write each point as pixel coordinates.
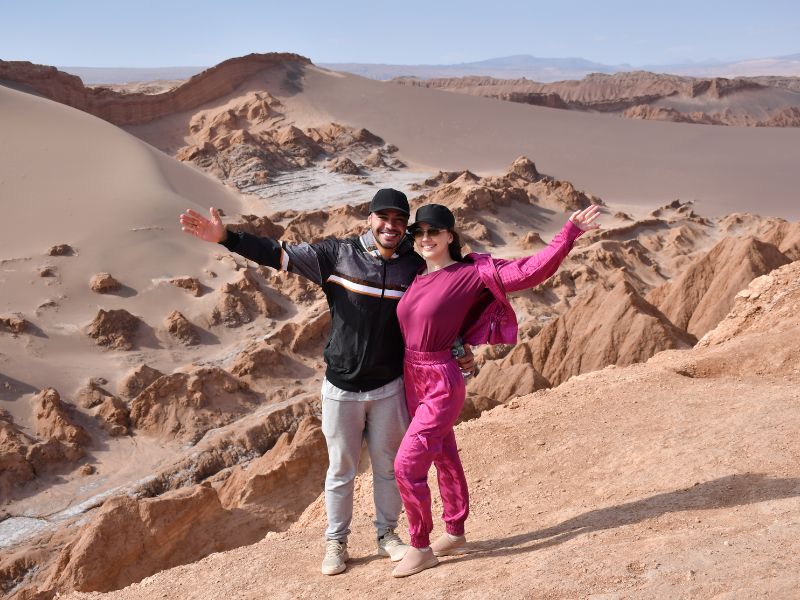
(743, 101)
(130, 109)
(182, 329)
(191, 284)
(614, 326)
(15, 469)
(242, 301)
(184, 406)
(14, 324)
(703, 294)
(297, 462)
(137, 380)
(114, 328)
(104, 283)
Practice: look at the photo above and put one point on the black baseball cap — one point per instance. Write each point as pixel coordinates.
(389, 199)
(435, 215)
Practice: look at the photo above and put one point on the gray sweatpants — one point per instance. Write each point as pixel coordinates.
(345, 424)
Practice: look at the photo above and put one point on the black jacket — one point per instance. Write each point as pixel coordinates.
(365, 348)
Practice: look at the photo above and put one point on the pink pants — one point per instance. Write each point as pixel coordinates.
(434, 394)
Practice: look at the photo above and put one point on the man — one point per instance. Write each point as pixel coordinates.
(362, 393)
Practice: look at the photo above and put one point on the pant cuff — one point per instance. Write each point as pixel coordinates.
(421, 541)
(454, 528)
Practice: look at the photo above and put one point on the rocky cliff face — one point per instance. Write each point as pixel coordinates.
(133, 109)
(752, 102)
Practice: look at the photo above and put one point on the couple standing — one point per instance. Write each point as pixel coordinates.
(395, 315)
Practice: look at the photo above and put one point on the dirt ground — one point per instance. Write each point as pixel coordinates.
(624, 483)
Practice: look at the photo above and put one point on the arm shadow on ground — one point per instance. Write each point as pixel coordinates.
(725, 492)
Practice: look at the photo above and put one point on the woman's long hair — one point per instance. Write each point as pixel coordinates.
(455, 247)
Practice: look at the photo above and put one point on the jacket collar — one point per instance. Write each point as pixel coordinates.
(369, 245)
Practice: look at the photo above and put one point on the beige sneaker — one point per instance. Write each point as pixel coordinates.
(448, 545)
(414, 561)
(335, 557)
(390, 544)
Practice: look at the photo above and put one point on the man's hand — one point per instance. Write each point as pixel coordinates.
(585, 219)
(207, 230)
(467, 362)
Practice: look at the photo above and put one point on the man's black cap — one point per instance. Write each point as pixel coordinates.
(435, 215)
(389, 199)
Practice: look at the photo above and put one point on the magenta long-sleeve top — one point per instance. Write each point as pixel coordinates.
(439, 306)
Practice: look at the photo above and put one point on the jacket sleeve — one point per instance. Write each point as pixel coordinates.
(313, 261)
(525, 273)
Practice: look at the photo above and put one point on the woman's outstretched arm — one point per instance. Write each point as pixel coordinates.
(527, 272)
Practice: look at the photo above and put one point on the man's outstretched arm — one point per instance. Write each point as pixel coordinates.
(309, 260)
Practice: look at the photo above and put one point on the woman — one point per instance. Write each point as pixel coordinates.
(453, 297)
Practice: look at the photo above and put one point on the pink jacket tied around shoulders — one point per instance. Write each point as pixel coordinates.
(497, 324)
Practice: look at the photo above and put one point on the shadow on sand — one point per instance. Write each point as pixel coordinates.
(725, 492)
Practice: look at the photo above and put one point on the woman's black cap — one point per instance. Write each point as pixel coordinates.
(435, 215)
(389, 199)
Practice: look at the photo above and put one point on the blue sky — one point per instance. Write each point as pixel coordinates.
(146, 33)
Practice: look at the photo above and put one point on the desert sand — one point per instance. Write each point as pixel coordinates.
(639, 437)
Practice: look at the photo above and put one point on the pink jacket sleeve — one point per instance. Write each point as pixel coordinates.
(524, 273)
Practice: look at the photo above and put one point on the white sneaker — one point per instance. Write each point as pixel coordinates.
(390, 544)
(335, 557)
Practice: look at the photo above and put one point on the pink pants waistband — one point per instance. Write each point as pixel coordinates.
(428, 358)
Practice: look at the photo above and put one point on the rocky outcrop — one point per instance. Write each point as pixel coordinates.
(780, 233)
(137, 380)
(614, 326)
(262, 360)
(184, 406)
(190, 284)
(472, 199)
(345, 166)
(298, 289)
(768, 305)
(15, 469)
(104, 283)
(59, 439)
(316, 225)
(180, 328)
(114, 416)
(114, 328)
(131, 109)
(159, 533)
(54, 420)
(14, 324)
(297, 462)
(306, 336)
(743, 101)
(92, 394)
(509, 377)
(703, 294)
(242, 301)
(260, 226)
(61, 250)
(64, 440)
(241, 441)
(245, 149)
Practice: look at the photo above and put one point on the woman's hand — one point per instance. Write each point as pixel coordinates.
(207, 230)
(585, 219)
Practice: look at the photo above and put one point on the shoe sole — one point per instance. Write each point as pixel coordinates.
(423, 567)
(451, 551)
(382, 552)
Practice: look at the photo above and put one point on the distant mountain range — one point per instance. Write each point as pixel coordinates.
(509, 67)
